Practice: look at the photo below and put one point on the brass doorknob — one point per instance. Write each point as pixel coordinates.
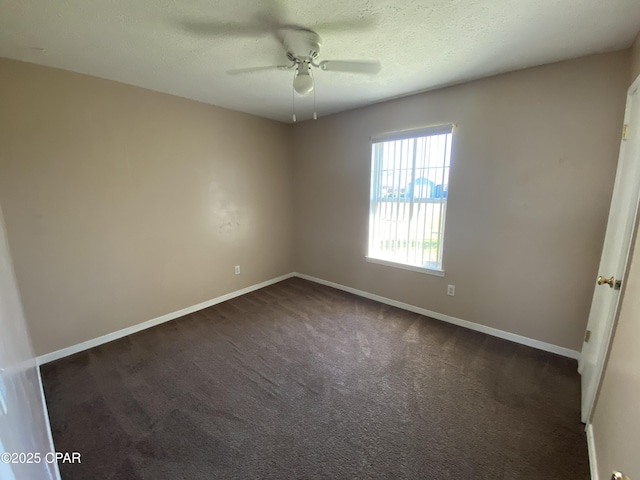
(619, 476)
(609, 281)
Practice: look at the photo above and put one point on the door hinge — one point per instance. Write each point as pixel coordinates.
(587, 336)
(625, 129)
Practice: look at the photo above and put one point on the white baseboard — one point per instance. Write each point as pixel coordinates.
(65, 352)
(593, 461)
(530, 342)
(45, 410)
(49, 357)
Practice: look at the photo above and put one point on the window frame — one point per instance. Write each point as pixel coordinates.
(441, 129)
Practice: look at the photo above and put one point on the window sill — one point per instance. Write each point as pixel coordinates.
(404, 266)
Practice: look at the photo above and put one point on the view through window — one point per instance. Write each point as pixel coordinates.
(409, 190)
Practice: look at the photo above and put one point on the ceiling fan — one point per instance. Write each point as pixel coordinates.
(302, 47)
(301, 44)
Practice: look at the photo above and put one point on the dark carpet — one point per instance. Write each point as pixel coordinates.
(298, 380)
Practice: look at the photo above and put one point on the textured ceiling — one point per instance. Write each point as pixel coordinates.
(422, 44)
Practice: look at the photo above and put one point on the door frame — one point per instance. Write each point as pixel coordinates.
(610, 327)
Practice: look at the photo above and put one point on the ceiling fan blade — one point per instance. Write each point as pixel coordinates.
(213, 28)
(272, 14)
(370, 67)
(262, 22)
(239, 71)
(344, 25)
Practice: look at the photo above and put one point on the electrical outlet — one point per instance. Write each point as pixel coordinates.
(451, 290)
(237, 269)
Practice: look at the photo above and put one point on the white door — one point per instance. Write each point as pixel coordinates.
(24, 425)
(615, 253)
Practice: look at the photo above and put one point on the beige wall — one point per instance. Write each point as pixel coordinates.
(533, 167)
(635, 58)
(123, 204)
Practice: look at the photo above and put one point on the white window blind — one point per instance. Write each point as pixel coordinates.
(409, 190)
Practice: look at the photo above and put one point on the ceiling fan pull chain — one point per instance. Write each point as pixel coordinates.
(293, 105)
(315, 115)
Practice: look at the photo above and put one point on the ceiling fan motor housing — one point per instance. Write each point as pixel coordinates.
(301, 44)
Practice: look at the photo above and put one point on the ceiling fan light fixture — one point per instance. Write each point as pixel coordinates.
(303, 83)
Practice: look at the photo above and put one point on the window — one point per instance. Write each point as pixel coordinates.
(409, 189)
